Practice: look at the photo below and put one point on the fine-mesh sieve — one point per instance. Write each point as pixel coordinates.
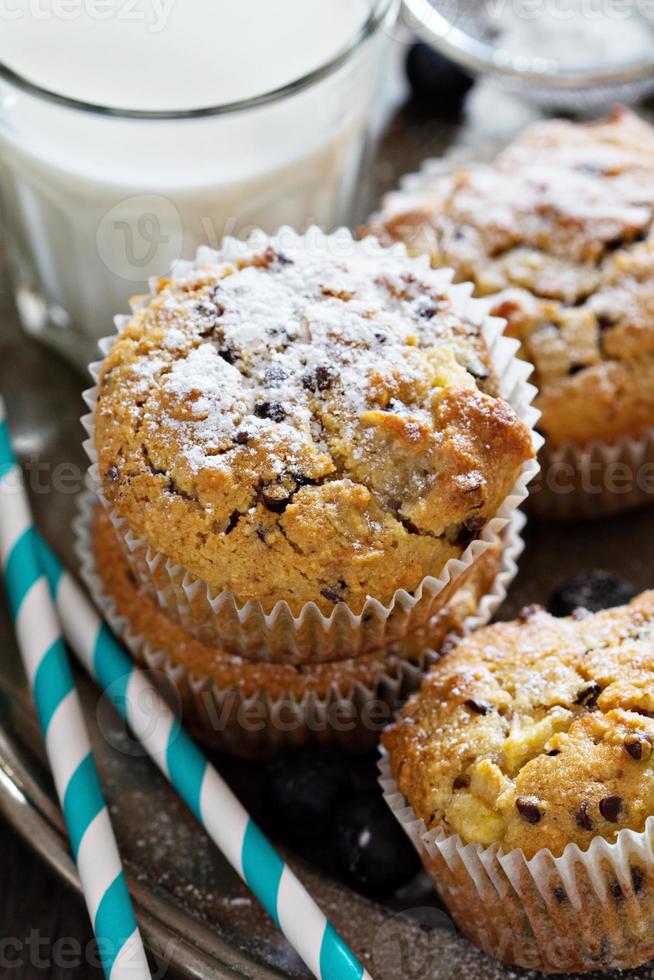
(573, 55)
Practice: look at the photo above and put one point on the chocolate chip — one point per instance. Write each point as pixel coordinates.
(228, 354)
(576, 368)
(274, 376)
(333, 594)
(613, 244)
(637, 879)
(610, 808)
(233, 521)
(320, 379)
(270, 410)
(113, 473)
(606, 320)
(301, 479)
(242, 437)
(560, 895)
(588, 695)
(409, 526)
(469, 531)
(528, 809)
(638, 746)
(479, 707)
(461, 782)
(324, 377)
(276, 497)
(583, 818)
(554, 752)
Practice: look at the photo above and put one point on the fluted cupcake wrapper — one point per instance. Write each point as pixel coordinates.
(312, 636)
(254, 723)
(575, 483)
(596, 481)
(583, 911)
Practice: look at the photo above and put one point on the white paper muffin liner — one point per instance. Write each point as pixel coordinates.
(597, 481)
(575, 483)
(582, 911)
(312, 636)
(256, 724)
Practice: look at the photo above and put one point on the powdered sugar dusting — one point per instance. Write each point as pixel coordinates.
(256, 352)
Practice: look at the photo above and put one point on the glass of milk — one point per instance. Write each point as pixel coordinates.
(132, 131)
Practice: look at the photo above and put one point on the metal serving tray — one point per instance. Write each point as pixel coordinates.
(196, 916)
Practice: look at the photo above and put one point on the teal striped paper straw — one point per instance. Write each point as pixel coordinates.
(66, 740)
(198, 783)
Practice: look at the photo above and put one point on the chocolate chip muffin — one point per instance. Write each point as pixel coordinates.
(532, 741)
(558, 230)
(305, 425)
(536, 733)
(251, 708)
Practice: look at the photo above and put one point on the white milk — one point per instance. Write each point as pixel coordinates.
(94, 204)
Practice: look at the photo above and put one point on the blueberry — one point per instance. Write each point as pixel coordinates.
(370, 848)
(302, 790)
(437, 83)
(592, 591)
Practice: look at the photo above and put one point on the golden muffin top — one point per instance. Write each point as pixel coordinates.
(305, 424)
(559, 229)
(536, 733)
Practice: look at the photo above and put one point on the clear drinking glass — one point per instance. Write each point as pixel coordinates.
(97, 200)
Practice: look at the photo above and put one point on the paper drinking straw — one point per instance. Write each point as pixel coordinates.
(66, 740)
(198, 783)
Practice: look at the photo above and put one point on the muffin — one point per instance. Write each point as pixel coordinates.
(296, 441)
(557, 233)
(526, 764)
(251, 708)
